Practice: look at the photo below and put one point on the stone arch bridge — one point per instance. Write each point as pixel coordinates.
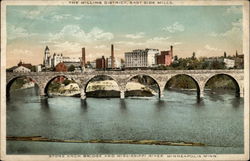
(161, 77)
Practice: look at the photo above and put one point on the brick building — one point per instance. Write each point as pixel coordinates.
(61, 67)
(165, 58)
(100, 63)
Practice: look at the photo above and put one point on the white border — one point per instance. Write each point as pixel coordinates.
(243, 3)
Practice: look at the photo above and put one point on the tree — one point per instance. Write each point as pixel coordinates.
(66, 82)
(71, 68)
(175, 57)
(218, 65)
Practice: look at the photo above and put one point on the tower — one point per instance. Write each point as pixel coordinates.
(171, 52)
(112, 57)
(46, 61)
(225, 54)
(83, 58)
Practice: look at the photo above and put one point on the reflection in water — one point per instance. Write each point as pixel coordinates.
(160, 104)
(123, 104)
(199, 102)
(44, 103)
(236, 102)
(174, 117)
(84, 104)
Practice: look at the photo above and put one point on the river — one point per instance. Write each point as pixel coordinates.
(216, 121)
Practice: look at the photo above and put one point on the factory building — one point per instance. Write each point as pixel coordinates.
(141, 58)
(165, 58)
(50, 61)
(109, 63)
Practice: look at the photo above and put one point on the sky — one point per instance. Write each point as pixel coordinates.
(205, 30)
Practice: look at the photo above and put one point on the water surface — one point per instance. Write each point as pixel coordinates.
(216, 121)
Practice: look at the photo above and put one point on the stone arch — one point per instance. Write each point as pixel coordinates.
(90, 79)
(12, 80)
(152, 77)
(52, 78)
(235, 82)
(198, 87)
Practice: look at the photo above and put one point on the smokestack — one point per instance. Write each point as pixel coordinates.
(171, 49)
(83, 57)
(112, 57)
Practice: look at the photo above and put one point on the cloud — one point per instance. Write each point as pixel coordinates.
(100, 47)
(158, 39)
(135, 36)
(129, 43)
(14, 32)
(60, 17)
(155, 42)
(234, 10)
(21, 52)
(176, 27)
(163, 41)
(67, 47)
(235, 31)
(75, 33)
(32, 14)
(208, 47)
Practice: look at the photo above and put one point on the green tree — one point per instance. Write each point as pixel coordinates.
(71, 68)
(66, 82)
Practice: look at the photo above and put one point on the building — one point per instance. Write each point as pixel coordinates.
(29, 66)
(112, 62)
(61, 67)
(51, 61)
(239, 61)
(38, 68)
(229, 63)
(116, 63)
(100, 63)
(92, 64)
(165, 58)
(21, 69)
(47, 58)
(141, 58)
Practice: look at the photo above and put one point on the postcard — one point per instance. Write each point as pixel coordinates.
(124, 80)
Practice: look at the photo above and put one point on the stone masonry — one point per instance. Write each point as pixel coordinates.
(161, 77)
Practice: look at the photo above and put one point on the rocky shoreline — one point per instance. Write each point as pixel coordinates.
(145, 142)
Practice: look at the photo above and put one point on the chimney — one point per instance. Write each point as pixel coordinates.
(83, 58)
(112, 57)
(225, 54)
(171, 49)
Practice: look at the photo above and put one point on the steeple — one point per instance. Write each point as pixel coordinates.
(47, 48)
(47, 58)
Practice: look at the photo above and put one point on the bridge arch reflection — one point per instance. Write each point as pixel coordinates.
(187, 84)
(108, 77)
(11, 81)
(50, 80)
(154, 81)
(234, 81)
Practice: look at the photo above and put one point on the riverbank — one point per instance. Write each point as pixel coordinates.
(145, 142)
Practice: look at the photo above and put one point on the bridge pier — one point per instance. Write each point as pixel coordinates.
(201, 95)
(122, 94)
(83, 94)
(241, 94)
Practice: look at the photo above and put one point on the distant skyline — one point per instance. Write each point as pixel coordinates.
(206, 30)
